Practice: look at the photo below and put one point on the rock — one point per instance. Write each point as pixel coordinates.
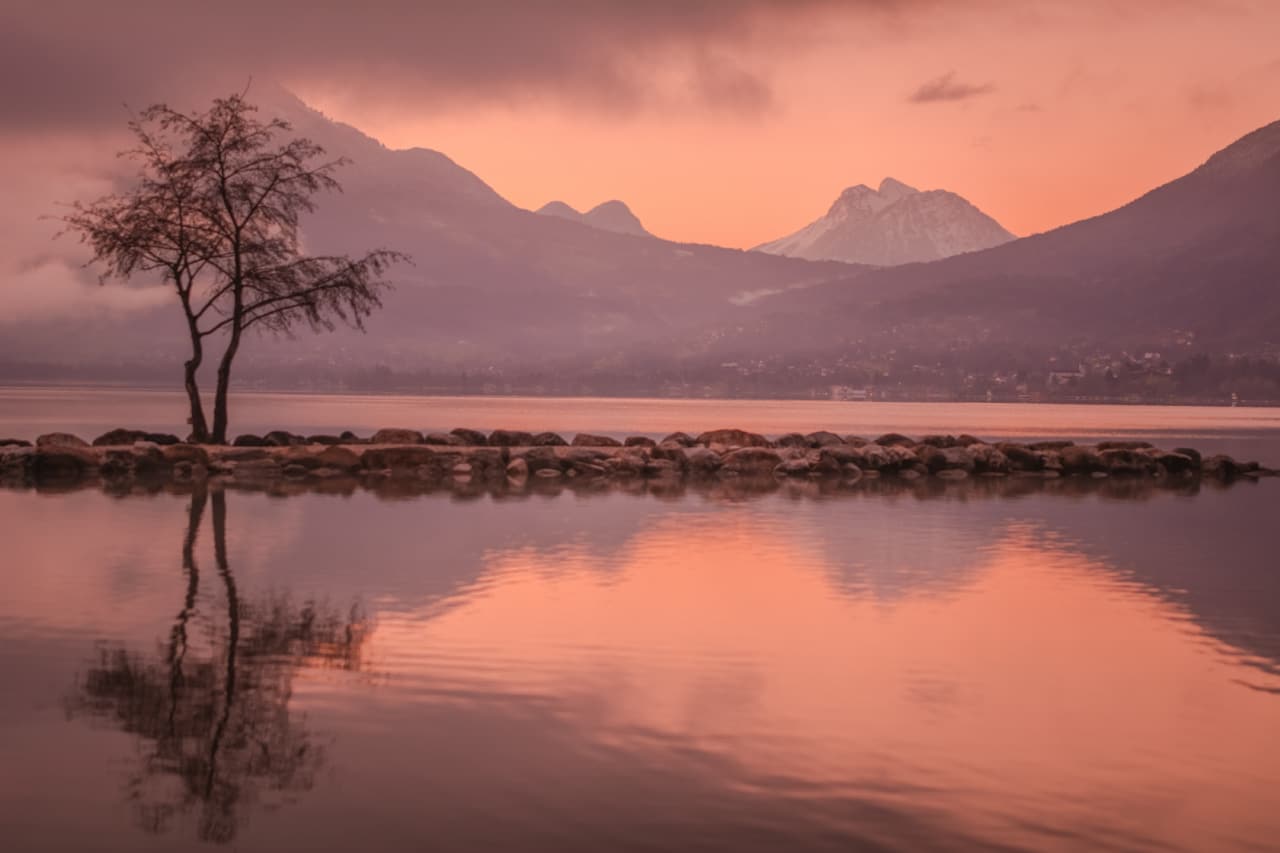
(1079, 459)
(392, 435)
(639, 441)
(940, 441)
(732, 438)
(119, 437)
(349, 437)
(1020, 457)
(339, 458)
(890, 439)
(1221, 466)
(1124, 445)
(470, 437)
(699, 461)
(1125, 462)
(517, 469)
(822, 438)
(901, 456)
(248, 440)
(548, 473)
(792, 439)
(1177, 463)
(14, 442)
(833, 458)
(661, 468)
(1051, 445)
(398, 457)
(549, 439)
(538, 458)
(192, 454)
(60, 439)
(872, 457)
(1191, 453)
(510, 438)
(792, 468)
(281, 438)
(964, 440)
(62, 461)
(987, 459)
(751, 460)
(681, 438)
(586, 439)
(444, 439)
(327, 440)
(163, 439)
(856, 441)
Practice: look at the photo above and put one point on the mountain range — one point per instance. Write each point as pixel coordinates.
(895, 224)
(494, 286)
(609, 216)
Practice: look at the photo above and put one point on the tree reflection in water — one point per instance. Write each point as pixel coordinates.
(213, 721)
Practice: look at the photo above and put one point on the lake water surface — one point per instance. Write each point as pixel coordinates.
(957, 668)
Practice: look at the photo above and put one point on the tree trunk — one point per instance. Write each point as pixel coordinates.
(220, 416)
(199, 426)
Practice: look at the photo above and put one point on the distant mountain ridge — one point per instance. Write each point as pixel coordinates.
(895, 224)
(611, 215)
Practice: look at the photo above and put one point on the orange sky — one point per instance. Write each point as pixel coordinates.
(1053, 112)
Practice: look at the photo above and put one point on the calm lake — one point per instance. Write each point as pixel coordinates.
(956, 668)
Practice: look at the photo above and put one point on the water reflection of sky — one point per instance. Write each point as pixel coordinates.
(586, 671)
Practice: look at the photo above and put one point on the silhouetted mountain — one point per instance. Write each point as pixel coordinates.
(896, 224)
(1200, 254)
(610, 216)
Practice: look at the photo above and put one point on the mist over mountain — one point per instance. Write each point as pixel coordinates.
(895, 224)
(609, 216)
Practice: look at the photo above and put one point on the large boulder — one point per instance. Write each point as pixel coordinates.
(823, 438)
(324, 439)
(1056, 444)
(404, 456)
(444, 439)
(393, 435)
(470, 437)
(1078, 459)
(538, 458)
(193, 454)
(63, 462)
(987, 459)
(940, 441)
(119, 438)
(731, 438)
(1021, 457)
(751, 461)
(697, 461)
(339, 458)
(283, 438)
(639, 441)
(1191, 453)
(873, 457)
(1124, 445)
(1177, 463)
(248, 440)
(832, 459)
(60, 439)
(1119, 461)
(890, 439)
(681, 438)
(510, 438)
(14, 442)
(586, 439)
(549, 439)
(791, 439)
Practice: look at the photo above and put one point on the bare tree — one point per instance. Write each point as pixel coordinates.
(216, 210)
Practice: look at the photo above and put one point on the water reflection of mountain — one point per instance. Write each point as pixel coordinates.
(210, 709)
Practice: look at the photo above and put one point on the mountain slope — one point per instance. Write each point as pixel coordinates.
(490, 283)
(609, 216)
(1199, 254)
(895, 224)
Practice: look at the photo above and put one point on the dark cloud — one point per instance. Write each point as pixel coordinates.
(69, 64)
(947, 88)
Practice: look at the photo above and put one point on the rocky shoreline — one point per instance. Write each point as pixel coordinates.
(405, 460)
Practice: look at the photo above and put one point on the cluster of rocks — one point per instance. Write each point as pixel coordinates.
(515, 457)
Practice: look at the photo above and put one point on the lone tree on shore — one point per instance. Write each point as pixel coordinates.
(215, 213)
